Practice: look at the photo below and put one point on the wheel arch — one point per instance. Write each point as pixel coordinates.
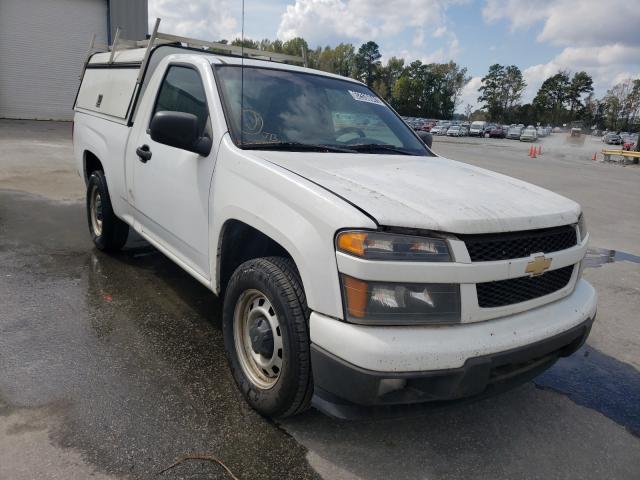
(90, 163)
(239, 242)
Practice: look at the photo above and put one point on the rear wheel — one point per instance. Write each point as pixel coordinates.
(266, 336)
(108, 232)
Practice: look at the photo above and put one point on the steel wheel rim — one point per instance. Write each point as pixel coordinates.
(262, 371)
(95, 209)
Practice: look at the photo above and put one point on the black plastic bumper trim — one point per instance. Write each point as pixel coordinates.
(346, 391)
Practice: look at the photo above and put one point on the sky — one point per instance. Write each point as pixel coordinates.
(601, 37)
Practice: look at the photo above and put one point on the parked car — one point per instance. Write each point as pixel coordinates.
(612, 139)
(457, 131)
(514, 132)
(342, 253)
(629, 142)
(542, 131)
(443, 128)
(529, 134)
(453, 131)
(498, 132)
(477, 128)
(437, 130)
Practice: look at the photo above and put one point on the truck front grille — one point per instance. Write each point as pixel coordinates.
(516, 290)
(505, 246)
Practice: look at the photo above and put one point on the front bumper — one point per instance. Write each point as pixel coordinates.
(383, 366)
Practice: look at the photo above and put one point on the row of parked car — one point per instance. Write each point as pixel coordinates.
(485, 129)
(627, 140)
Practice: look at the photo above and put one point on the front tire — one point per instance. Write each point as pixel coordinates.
(266, 336)
(108, 232)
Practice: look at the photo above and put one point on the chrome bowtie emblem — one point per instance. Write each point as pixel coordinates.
(538, 266)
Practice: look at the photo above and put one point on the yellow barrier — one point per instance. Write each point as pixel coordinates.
(623, 153)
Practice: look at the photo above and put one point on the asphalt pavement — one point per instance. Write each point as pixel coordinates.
(113, 366)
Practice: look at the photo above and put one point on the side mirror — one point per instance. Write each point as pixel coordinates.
(426, 137)
(179, 130)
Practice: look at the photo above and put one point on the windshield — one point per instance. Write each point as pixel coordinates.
(284, 110)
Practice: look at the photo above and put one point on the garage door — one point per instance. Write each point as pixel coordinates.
(43, 44)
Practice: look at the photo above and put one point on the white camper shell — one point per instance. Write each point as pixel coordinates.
(113, 80)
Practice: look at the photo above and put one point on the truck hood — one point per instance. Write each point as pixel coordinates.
(432, 193)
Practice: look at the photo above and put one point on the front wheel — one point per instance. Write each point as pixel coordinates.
(266, 336)
(108, 232)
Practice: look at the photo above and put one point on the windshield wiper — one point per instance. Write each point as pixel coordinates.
(375, 147)
(295, 146)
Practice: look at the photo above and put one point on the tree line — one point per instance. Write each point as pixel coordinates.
(433, 90)
(561, 99)
(416, 89)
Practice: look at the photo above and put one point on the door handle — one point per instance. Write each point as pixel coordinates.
(144, 154)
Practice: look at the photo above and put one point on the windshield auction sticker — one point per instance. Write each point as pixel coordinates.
(365, 97)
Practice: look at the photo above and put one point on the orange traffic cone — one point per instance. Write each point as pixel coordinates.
(539, 150)
(533, 152)
(595, 154)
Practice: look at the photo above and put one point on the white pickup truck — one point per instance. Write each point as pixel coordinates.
(358, 268)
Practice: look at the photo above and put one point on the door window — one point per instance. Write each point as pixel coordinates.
(182, 91)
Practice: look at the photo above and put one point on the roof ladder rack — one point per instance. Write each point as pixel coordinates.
(158, 38)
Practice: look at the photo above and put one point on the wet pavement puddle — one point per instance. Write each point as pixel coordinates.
(600, 382)
(595, 380)
(596, 257)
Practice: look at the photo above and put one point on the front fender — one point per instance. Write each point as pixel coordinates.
(299, 215)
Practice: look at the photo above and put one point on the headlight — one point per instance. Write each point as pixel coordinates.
(385, 303)
(389, 246)
(582, 227)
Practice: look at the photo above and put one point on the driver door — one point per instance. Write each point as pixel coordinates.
(171, 186)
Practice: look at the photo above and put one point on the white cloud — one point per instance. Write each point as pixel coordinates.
(602, 56)
(607, 64)
(571, 22)
(438, 32)
(322, 21)
(203, 19)
(597, 36)
(449, 51)
(470, 94)
(592, 23)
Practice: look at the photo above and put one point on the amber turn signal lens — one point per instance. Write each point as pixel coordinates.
(357, 296)
(352, 242)
(372, 245)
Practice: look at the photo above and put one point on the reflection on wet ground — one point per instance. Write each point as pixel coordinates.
(127, 350)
